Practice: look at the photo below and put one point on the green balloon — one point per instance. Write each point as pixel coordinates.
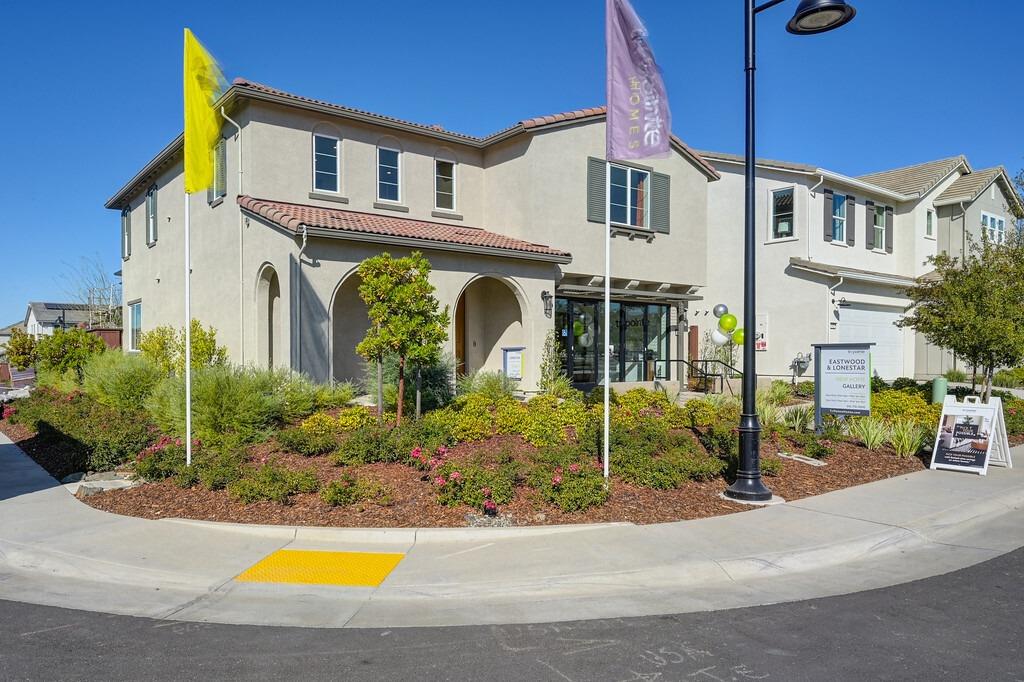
(738, 336)
(727, 322)
(578, 328)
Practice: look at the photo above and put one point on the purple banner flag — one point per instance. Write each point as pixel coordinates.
(639, 122)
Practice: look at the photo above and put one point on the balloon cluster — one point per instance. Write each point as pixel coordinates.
(727, 330)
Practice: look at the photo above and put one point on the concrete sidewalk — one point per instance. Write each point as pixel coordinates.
(55, 550)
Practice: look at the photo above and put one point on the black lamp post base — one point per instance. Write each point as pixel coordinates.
(748, 489)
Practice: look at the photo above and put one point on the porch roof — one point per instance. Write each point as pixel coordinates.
(343, 224)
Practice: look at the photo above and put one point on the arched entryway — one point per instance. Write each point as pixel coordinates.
(488, 320)
(268, 318)
(348, 327)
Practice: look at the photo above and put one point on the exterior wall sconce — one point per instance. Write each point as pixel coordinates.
(549, 302)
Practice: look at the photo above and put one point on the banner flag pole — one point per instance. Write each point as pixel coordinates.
(188, 338)
(607, 309)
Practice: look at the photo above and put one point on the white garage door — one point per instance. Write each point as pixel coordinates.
(859, 323)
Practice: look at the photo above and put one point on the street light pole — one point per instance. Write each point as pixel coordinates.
(812, 16)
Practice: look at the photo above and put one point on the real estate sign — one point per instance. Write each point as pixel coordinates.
(842, 380)
(971, 435)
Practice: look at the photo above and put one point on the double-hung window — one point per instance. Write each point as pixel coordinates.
(993, 227)
(839, 218)
(929, 226)
(134, 325)
(630, 200)
(151, 226)
(879, 226)
(126, 232)
(782, 213)
(444, 185)
(389, 174)
(326, 164)
(220, 171)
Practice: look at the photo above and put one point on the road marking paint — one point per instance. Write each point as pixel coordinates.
(39, 632)
(311, 567)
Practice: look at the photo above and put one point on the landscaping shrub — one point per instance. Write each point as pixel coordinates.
(665, 470)
(907, 437)
(771, 466)
(561, 387)
(804, 389)
(163, 459)
(351, 490)
(214, 469)
(778, 393)
(366, 445)
(64, 382)
(699, 413)
(871, 431)
(120, 380)
(1013, 413)
(307, 442)
(907, 404)
(800, 419)
(1009, 378)
(552, 366)
(901, 383)
(273, 483)
(164, 347)
(472, 485)
(771, 415)
(436, 388)
(68, 350)
(574, 487)
(721, 440)
(355, 417)
(819, 449)
(492, 385)
(638, 400)
(878, 384)
(955, 376)
(21, 349)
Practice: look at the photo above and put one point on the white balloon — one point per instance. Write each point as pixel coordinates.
(718, 338)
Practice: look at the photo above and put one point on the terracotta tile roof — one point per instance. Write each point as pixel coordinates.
(294, 216)
(917, 179)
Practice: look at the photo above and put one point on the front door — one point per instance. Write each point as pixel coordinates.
(634, 349)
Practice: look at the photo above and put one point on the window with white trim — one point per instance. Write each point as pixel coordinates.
(782, 213)
(126, 232)
(134, 325)
(879, 226)
(838, 218)
(993, 227)
(630, 200)
(220, 168)
(326, 163)
(389, 174)
(444, 185)
(151, 226)
(929, 224)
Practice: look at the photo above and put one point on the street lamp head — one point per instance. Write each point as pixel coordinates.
(818, 16)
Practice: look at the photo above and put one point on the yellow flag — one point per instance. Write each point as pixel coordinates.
(203, 85)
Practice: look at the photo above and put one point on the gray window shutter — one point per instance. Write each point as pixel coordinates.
(851, 221)
(660, 202)
(596, 188)
(869, 227)
(888, 229)
(827, 194)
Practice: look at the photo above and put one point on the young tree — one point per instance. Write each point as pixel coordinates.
(68, 350)
(404, 315)
(21, 349)
(552, 361)
(973, 306)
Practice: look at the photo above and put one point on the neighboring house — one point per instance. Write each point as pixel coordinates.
(836, 253)
(6, 332)
(512, 224)
(41, 319)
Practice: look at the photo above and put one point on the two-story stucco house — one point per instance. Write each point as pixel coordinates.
(836, 253)
(512, 224)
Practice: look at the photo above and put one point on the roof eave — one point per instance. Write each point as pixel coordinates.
(867, 186)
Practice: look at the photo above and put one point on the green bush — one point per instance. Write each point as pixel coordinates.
(472, 485)
(955, 376)
(771, 415)
(907, 437)
(721, 440)
(492, 385)
(878, 384)
(68, 350)
(163, 459)
(1009, 378)
(436, 388)
(805, 389)
(700, 413)
(366, 445)
(800, 419)
(1013, 413)
(307, 442)
(355, 417)
(778, 393)
(351, 490)
(214, 469)
(819, 449)
(891, 405)
(120, 380)
(273, 483)
(572, 487)
(902, 383)
(871, 431)
(164, 347)
(771, 466)
(666, 470)
(21, 349)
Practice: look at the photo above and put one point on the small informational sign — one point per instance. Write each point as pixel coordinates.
(971, 435)
(512, 362)
(842, 380)
(761, 333)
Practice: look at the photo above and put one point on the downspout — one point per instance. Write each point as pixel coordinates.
(821, 181)
(963, 232)
(241, 244)
(831, 294)
(298, 303)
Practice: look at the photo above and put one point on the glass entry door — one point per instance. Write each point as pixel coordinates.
(634, 350)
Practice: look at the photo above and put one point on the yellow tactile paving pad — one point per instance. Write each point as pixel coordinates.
(349, 569)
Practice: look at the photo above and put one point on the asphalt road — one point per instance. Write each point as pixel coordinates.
(961, 626)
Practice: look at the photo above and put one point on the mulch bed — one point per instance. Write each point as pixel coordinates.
(414, 501)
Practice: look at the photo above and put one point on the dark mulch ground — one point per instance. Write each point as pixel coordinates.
(414, 501)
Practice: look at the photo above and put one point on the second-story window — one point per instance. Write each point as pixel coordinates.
(839, 218)
(879, 225)
(782, 213)
(929, 225)
(134, 325)
(220, 171)
(326, 163)
(444, 185)
(388, 174)
(151, 217)
(630, 198)
(126, 232)
(993, 227)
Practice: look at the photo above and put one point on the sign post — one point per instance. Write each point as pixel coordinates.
(842, 380)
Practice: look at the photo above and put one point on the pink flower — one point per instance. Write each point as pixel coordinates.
(489, 506)
(439, 480)
(574, 468)
(486, 492)
(417, 452)
(455, 477)
(177, 441)
(558, 470)
(556, 481)
(442, 451)
(434, 463)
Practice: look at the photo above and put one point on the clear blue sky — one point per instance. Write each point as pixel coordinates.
(93, 90)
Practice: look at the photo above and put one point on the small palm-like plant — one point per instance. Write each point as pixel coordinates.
(906, 437)
(870, 431)
(800, 419)
(769, 414)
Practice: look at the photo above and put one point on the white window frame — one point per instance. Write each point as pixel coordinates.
(126, 233)
(994, 225)
(629, 206)
(152, 234)
(337, 163)
(841, 239)
(771, 214)
(134, 333)
(880, 209)
(220, 163)
(398, 153)
(455, 201)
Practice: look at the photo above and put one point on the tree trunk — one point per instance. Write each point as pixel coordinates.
(380, 390)
(401, 390)
(987, 392)
(419, 387)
